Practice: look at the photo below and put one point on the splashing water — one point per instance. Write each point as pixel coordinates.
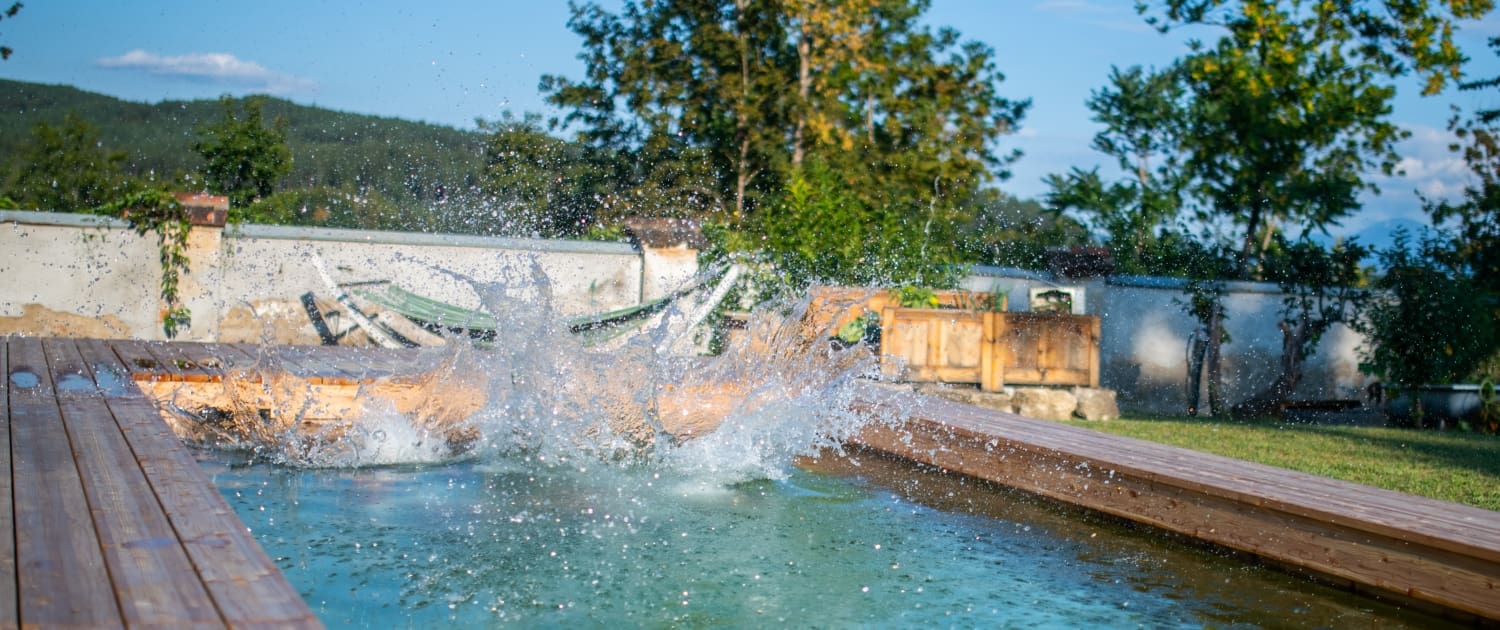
(549, 396)
(771, 395)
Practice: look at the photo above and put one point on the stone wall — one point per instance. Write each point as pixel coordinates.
(1144, 336)
(93, 276)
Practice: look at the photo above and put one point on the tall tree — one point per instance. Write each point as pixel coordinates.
(1288, 110)
(244, 157)
(1477, 214)
(882, 100)
(66, 168)
(1140, 112)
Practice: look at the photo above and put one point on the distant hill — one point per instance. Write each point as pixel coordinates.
(407, 162)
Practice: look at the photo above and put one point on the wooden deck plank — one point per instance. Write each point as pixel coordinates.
(9, 611)
(152, 576)
(170, 357)
(61, 573)
(1385, 512)
(192, 362)
(142, 363)
(244, 583)
(110, 373)
(315, 365)
(1434, 551)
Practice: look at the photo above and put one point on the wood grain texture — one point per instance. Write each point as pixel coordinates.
(113, 522)
(155, 583)
(61, 575)
(10, 615)
(1433, 551)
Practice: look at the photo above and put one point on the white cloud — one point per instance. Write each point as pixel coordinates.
(1110, 15)
(216, 67)
(1427, 165)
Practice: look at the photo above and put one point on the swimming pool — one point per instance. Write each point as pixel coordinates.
(837, 543)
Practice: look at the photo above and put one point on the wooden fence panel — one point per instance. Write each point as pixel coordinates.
(1049, 349)
(927, 345)
(988, 348)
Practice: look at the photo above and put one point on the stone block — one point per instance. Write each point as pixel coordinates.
(1044, 403)
(1096, 404)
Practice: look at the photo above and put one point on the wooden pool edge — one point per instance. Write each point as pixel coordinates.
(1440, 555)
(113, 523)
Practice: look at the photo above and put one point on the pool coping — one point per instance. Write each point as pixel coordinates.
(1444, 555)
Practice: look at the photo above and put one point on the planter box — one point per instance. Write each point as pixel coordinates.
(1441, 404)
(988, 348)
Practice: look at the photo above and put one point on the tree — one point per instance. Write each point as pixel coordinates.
(1007, 231)
(1478, 213)
(666, 78)
(244, 158)
(1320, 287)
(1288, 109)
(66, 169)
(1140, 112)
(905, 113)
(10, 12)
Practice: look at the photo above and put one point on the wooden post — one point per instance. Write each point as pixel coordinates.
(1094, 334)
(991, 365)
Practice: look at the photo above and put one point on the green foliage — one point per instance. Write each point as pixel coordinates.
(1429, 324)
(865, 328)
(916, 297)
(1391, 33)
(1477, 215)
(326, 207)
(1005, 231)
(1320, 287)
(154, 210)
(537, 184)
(734, 98)
(15, 7)
(1140, 113)
(424, 171)
(65, 168)
(1288, 110)
(243, 157)
(819, 231)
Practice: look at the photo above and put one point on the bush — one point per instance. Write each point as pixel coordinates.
(1430, 323)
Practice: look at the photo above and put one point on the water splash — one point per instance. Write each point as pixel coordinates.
(538, 392)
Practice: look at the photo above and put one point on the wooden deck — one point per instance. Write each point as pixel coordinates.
(1385, 543)
(111, 522)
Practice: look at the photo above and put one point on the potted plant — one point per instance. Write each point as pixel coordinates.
(1428, 329)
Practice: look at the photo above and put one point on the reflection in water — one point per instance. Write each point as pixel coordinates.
(867, 541)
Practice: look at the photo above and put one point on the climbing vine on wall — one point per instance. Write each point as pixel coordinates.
(154, 210)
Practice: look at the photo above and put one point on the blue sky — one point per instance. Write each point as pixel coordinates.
(452, 62)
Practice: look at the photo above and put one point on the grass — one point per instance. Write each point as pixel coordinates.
(1458, 467)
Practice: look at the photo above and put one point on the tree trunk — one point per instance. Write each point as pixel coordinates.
(1268, 402)
(804, 92)
(1215, 373)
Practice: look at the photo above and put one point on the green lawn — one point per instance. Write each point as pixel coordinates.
(1458, 467)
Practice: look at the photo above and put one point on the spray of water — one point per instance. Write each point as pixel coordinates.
(545, 395)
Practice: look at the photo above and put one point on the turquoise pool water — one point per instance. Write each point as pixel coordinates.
(836, 544)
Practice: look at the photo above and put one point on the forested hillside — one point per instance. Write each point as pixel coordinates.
(410, 164)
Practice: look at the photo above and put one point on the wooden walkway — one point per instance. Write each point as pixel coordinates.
(111, 522)
(1443, 555)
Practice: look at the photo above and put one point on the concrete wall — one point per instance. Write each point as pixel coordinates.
(1144, 336)
(77, 275)
(61, 268)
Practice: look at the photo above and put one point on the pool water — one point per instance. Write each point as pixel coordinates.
(838, 543)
